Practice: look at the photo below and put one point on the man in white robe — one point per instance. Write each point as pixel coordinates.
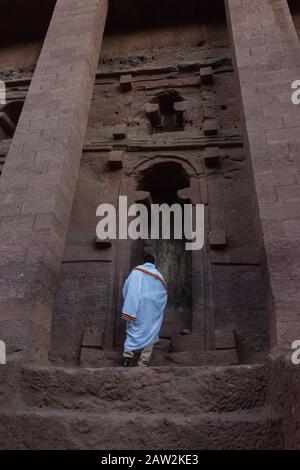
(145, 298)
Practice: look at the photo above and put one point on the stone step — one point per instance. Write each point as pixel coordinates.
(47, 429)
(91, 357)
(198, 358)
(186, 390)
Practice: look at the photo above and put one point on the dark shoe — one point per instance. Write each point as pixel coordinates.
(125, 362)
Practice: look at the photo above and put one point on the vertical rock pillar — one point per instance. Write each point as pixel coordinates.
(39, 178)
(267, 61)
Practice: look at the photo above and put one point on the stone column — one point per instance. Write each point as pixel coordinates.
(39, 178)
(267, 61)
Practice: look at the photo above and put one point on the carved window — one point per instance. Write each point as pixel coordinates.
(166, 112)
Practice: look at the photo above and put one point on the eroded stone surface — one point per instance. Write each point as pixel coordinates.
(200, 408)
(211, 408)
(154, 390)
(72, 431)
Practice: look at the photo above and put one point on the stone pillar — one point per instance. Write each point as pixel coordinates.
(267, 61)
(39, 178)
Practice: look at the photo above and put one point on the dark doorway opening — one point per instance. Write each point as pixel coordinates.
(162, 181)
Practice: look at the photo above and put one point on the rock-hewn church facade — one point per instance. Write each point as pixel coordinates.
(162, 102)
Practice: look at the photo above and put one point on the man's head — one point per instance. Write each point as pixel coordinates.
(149, 258)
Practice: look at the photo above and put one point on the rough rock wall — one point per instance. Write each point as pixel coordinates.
(23, 26)
(162, 60)
(284, 395)
(19, 56)
(64, 103)
(295, 11)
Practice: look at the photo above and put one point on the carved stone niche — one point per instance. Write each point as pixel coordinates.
(153, 113)
(180, 107)
(206, 75)
(217, 239)
(120, 132)
(126, 82)
(212, 156)
(115, 159)
(210, 127)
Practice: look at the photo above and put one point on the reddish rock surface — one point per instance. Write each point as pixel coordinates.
(183, 103)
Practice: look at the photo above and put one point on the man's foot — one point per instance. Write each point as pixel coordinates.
(125, 362)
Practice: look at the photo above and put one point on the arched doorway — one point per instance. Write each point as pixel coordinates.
(162, 181)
